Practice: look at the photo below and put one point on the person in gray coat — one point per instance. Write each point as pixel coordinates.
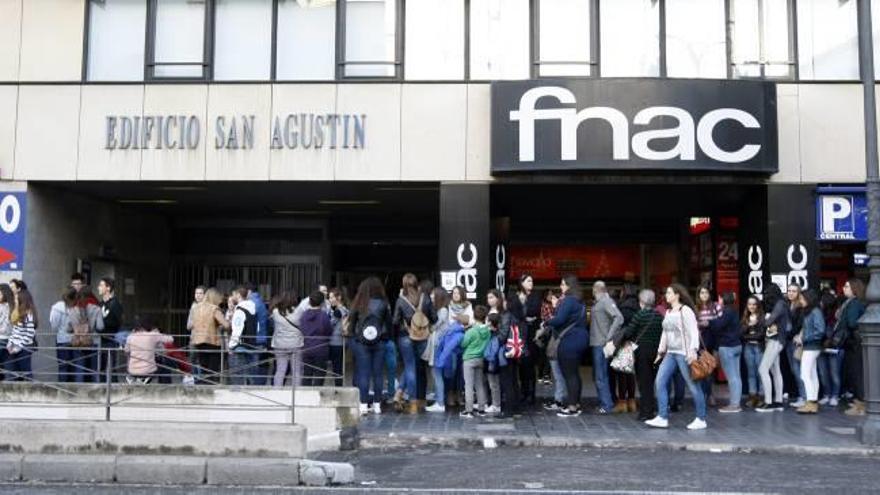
(605, 322)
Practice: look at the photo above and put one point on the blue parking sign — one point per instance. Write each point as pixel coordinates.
(12, 230)
(842, 214)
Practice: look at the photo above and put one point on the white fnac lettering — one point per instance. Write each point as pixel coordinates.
(798, 273)
(756, 273)
(687, 134)
(467, 272)
(500, 264)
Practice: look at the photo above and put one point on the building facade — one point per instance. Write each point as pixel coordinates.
(171, 143)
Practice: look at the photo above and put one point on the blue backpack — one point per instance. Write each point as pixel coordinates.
(494, 355)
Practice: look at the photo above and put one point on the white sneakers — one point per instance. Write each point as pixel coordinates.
(833, 402)
(365, 409)
(493, 409)
(697, 424)
(798, 403)
(658, 422)
(436, 407)
(824, 401)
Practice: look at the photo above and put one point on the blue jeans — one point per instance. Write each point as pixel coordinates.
(730, 357)
(753, 354)
(559, 389)
(671, 363)
(439, 386)
(368, 361)
(830, 365)
(676, 388)
(795, 369)
(18, 366)
(413, 378)
(66, 362)
(390, 367)
(600, 376)
(242, 367)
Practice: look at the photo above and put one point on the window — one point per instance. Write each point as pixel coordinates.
(306, 43)
(760, 31)
(243, 40)
(434, 39)
(178, 44)
(828, 41)
(371, 38)
(564, 41)
(499, 36)
(116, 40)
(695, 39)
(630, 32)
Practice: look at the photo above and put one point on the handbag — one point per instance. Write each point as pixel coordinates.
(553, 345)
(705, 364)
(625, 358)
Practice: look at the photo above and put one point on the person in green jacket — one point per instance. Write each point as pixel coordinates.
(474, 345)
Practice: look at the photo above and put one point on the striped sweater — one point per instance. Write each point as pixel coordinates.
(23, 332)
(646, 326)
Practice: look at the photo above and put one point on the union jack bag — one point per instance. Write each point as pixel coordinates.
(514, 343)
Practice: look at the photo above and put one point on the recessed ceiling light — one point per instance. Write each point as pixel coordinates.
(181, 188)
(347, 202)
(148, 201)
(300, 212)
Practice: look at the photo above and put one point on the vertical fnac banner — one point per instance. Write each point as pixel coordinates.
(12, 230)
(464, 245)
(500, 241)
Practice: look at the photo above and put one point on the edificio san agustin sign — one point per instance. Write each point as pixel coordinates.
(184, 132)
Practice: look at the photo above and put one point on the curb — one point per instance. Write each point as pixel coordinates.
(496, 441)
(178, 470)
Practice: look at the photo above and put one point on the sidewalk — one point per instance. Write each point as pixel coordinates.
(829, 432)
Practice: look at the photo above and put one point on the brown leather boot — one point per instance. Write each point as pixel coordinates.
(620, 407)
(632, 406)
(810, 407)
(412, 407)
(856, 408)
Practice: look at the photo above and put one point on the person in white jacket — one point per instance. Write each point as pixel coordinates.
(679, 345)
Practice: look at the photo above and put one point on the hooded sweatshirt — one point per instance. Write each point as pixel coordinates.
(475, 341)
(316, 329)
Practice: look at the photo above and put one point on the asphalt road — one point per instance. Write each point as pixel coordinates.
(516, 470)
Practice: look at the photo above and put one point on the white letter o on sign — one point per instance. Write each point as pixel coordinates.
(9, 205)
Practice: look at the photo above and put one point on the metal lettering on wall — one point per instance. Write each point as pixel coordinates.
(236, 132)
(608, 124)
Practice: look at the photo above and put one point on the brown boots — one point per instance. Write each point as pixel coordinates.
(632, 406)
(625, 406)
(856, 408)
(811, 407)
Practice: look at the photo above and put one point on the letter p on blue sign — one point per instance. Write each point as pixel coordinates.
(837, 219)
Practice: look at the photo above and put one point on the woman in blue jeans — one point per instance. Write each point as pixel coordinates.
(678, 348)
(370, 307)
(754, 331)
(569, 326)
(413, 383)
(726, 334)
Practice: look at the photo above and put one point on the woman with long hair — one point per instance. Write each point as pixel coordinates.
(413, 382)
(796, 322)
(829, 363)
(679, 345)
(569, 327)
(848, 316)
(369, 312)
(810, 340)
(753, 334)
(287, 340)
(535, 360)
(707, 310)
(727, 335)
(776, 322)
(7, 305)
(440, 300)
(22, 340)
(205, 324)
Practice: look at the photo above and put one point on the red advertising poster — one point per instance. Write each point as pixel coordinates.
(588, 262)
(727, 265)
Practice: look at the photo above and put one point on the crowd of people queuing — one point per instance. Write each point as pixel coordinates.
(487, 359)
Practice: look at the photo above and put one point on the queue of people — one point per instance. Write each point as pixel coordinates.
(485, 359)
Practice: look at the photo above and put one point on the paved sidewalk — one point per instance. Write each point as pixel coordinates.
(830, 432)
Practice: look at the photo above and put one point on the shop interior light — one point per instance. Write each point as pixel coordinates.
(348, 202)
(148, 201)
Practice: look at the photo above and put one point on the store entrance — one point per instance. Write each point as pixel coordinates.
(641, 234)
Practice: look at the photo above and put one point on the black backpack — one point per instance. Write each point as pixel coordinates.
(369, 329)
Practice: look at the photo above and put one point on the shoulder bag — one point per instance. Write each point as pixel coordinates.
(553, 346)
(705, 364)
(625, 358)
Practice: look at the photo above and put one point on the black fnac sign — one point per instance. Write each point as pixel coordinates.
(634, 124)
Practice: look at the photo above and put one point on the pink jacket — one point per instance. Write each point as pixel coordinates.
(141, 349)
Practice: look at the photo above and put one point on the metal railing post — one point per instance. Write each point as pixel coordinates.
(107, 387)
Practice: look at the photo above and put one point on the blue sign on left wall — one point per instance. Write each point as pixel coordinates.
(12, 230)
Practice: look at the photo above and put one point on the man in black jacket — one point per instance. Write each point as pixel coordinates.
(111, 310)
